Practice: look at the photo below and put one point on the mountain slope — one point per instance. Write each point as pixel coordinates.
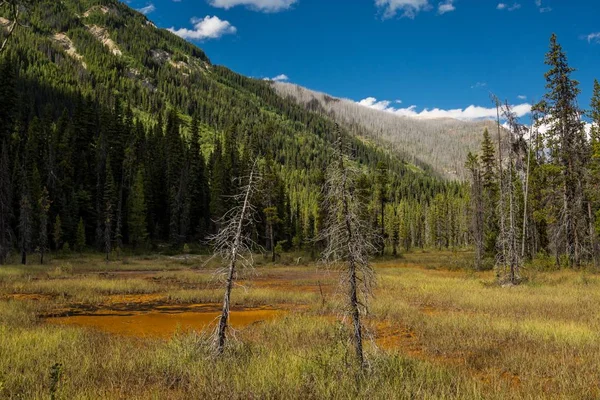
(102, 95)
(441, 144)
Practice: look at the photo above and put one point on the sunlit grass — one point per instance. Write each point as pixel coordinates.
(449, 333)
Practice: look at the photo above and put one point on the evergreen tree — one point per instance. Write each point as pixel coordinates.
(199, 213)
(25, 226)
(57, 233)
(489, 185)
(137, 212)
(477, 211)
(593, 191)
(7, 104)
(108, 212)
(80, 239)
(382, 195)
(44, 207)
(567, 144)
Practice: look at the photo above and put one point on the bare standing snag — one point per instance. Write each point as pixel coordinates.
(349, 239)
(233, 244)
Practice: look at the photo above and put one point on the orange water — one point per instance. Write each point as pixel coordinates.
(163, 322)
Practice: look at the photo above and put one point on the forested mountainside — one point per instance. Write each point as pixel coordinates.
(115, 133)
(442, 144)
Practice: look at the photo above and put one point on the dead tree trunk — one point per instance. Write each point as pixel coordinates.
(501, 214)
(509, 235)
(526, 191)
(353, 296)
(349, 241)
(233, 243)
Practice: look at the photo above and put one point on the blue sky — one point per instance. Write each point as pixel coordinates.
(430, 54)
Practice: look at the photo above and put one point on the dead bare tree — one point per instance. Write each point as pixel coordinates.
(508, 236)
(533, 131)
(233, 244)
(15, 11)
(501, 256)
(349, 239)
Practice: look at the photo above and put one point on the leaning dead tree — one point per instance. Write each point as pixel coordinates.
(349, 240)
(233, 244)
(15, 11)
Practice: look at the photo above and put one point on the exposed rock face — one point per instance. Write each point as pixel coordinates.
(67, 44)
(102, 35)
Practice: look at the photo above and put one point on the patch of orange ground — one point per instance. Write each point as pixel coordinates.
(134, 299)
(26, 296)
(164, 321)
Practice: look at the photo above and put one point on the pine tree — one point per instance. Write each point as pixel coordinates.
(25, 226)
(57, 233)
(80, 239)
(108, 212)
(7, 105)
(566, 142)
(199, 213)
(138, 232)
(477, 210)
(382, 195)
(593, 191)
(489, 185)
(44, 207)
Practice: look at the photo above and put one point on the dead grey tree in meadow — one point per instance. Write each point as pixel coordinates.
(501, 255)
(349, 239)
(533, 132)
(233, 244)
(509, 235)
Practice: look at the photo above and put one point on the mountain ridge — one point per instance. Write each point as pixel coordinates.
(440, 143)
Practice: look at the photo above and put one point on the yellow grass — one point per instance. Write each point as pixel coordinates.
(436, 333)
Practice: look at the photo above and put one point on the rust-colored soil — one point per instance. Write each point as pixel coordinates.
(164, 321)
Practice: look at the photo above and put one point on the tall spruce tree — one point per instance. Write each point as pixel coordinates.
(138, 232)
(566, 142)
(44, 208)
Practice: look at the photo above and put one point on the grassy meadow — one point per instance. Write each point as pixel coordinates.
(140, 328)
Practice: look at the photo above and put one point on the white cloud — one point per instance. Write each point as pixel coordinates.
(257, 5)
(278, 78)
(522, 97)
(542, 9)
(593, 37)
(372, 102)
(205, 28)
(479, 85)
(408, 8)
(471, 113)
(446, 7)
(147, 10)
(504, 6)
